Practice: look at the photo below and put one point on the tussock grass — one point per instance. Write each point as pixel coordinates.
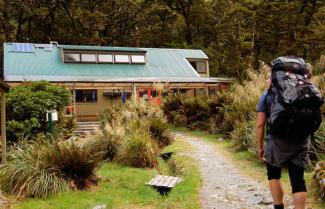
(26, 174)
(122, 186)
(133, 134)
(159, 131)
(40, 169)
(137, 150)
(320, 66)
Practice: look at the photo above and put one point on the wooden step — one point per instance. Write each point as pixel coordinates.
(85, 128)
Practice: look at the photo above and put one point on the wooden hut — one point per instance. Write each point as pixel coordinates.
(100, 76)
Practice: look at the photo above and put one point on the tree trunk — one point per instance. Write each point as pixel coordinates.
(6, 23)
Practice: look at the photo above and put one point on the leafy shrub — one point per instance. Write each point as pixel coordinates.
(21, 130)
(243, 136)
(138, 150)
(317, 146)
(27, 105)
(179, 118)
(320, 83)
(172, 105)
(65, 126)
(193, 112)
(196, 108)
(41, 168)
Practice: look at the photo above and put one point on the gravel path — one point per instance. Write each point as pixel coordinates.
(224, 187)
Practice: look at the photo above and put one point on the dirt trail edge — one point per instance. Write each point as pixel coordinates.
(224, 187)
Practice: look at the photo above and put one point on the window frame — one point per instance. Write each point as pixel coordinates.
(88, 54)
(71, 61)
(100, 54)
(133, 62)
(195, 65)
(93, 100)
(123, 54)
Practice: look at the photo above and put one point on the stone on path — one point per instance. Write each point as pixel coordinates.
(100, 207)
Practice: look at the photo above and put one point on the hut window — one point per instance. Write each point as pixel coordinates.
(71, 57)
(199, 66)
(138, 59)
(86, 95)
(121, 58)
(105, 58)
(93, 57)
(154, 93)
(88, 57)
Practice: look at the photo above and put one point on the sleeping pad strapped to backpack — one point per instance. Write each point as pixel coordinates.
(295, 107)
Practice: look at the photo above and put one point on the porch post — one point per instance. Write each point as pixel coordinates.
(3, 128)
(207, 92)
(134, 96)
(74, 101)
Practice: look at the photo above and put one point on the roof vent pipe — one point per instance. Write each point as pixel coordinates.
(54, 43)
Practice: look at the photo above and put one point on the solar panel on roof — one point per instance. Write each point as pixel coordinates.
(46, 47)
(23, 47)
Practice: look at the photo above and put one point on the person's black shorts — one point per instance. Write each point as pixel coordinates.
(296, 175)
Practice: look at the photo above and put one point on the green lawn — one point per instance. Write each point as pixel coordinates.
(251, 166)
(122, 187)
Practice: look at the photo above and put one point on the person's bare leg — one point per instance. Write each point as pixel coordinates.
(299, 194)
(276, 191)
(299, 200)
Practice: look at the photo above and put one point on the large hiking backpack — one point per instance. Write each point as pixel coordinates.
(295, 104)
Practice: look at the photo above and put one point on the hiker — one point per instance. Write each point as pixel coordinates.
(280, 149)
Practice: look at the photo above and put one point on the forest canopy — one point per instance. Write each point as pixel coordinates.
(235, 34)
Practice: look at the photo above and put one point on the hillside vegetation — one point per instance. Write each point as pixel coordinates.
(233, 112)
(234, 34)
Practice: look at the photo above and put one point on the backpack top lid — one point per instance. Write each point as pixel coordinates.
(292, 64)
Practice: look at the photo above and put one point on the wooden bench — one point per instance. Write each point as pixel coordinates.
(163, 184)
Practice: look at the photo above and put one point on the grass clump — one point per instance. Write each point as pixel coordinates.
(77, 165)
(133, 134)
(42, 168)
(138, 150)
(159, 131)
(27, 173)
(108, 142)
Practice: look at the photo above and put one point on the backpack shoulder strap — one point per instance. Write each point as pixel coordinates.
(265, 101)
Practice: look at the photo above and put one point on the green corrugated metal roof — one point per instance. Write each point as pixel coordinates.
(161, 63)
